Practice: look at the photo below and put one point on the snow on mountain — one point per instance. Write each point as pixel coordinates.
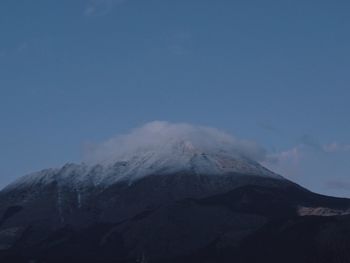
(158, 148)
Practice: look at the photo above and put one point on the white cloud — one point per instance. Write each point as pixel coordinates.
(291, 155)
(336, 147)
(286, 162)
(296, 153)
(158, 134)
(291, 162)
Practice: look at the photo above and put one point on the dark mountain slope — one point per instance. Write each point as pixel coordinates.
(256, 221)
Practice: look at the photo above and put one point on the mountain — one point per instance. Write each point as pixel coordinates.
(170, 202)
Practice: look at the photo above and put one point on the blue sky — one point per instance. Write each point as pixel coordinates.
(276, 72)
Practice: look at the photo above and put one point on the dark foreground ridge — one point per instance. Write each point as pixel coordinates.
(176, 218)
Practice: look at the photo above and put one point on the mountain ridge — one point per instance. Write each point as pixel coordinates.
(181, 156)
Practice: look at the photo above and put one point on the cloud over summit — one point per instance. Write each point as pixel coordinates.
(160, 135)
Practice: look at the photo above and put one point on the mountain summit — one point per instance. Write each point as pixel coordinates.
(176, 157)
(158, 148)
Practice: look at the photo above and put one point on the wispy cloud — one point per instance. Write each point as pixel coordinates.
(160, 135)
(291, 155)
(310, 141)
(290, 162)
(335, 147)
(101, 7)
(285, 162)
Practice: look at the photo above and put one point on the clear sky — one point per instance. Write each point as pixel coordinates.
(276, 72)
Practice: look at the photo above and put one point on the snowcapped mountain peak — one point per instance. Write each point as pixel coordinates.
(183, 155)
(159, 148)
